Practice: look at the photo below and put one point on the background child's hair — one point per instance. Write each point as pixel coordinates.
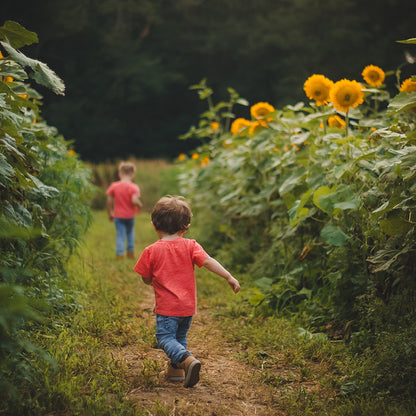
(127, 168)
(171, 214)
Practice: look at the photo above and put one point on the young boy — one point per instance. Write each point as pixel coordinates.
(168, 265)
(123, 202)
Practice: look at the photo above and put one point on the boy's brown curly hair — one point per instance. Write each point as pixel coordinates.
(171, 214)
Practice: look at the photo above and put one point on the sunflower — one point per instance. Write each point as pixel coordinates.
(346, 94)
(195, 156)
(256, 125)
(373, 75)
(336, 121)
(215, 125)
(205, 161)
(260, 110)
(317, 87)
(182, 157)
(408, 85)
(239, 124)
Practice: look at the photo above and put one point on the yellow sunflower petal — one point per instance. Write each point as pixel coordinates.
(239, 124)
(408, 85)
(261, 110)
(346, 94)
(373, 75)
(317, 87)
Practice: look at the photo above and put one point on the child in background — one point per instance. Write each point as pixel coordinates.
(123, 202)
(168, 265)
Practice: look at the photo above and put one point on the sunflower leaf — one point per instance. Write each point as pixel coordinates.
(17, 35)
(37, 70)
(411, 40)
(401, 102)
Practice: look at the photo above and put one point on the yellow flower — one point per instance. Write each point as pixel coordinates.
(8, 79)
(260, 110)
(205, 161)
(336, 121)
(195, 156)
(408, 85)
(317, 87)
(256, 125)
(71, 152)
(22, 95)
(215, 126)
(1, 55)
(346, 94)
(373, 75)
(182, 157)
(239, 124)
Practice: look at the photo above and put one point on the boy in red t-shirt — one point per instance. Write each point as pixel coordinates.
(168, 265)
(123, 202)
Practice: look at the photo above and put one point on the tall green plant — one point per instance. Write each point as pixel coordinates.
(43, 209)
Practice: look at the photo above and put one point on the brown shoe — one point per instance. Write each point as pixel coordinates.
(119, 257)
(191, 366)
(173, 374)
(130, 255)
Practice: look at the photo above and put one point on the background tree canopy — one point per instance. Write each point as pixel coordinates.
(128, 64)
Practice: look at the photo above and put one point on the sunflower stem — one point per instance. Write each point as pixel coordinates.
(347, 147)
(346, 124)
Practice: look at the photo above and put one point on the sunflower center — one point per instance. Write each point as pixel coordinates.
(318, 93)
(347, 97)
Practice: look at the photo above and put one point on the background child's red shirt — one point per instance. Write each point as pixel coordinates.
(170, 264)
(122, 192)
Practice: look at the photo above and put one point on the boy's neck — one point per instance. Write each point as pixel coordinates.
(169, 237)
(126, 178)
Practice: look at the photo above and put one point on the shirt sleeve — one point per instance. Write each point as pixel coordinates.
(199, 255)
(136, 190)
(142, 266)
(110, 190)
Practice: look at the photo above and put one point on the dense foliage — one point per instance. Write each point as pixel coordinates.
(319, 206)
(43, 212)
(128, 64)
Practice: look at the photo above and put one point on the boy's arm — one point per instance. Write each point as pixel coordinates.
(110, 204)
(135, 200)
(215, 267)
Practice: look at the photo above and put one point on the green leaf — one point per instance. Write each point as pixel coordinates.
(321, 191)
(353, 203)
(395, 226)
(264, 283)
(411, 40)
(17, 35)
(334, 235)
(39, 71)
(294, 179)
(401, 102)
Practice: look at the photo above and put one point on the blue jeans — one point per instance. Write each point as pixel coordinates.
(124, 231)
(171, 334)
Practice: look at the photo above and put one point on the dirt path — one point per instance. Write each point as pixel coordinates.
(227, 385)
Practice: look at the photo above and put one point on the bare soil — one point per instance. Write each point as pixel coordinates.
(227, 386)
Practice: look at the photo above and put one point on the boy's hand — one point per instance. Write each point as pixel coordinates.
(235, 286)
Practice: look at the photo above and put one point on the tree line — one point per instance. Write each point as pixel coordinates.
(128, 65)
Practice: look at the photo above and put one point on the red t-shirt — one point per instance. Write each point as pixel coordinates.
(170, 264)
(122, 192)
